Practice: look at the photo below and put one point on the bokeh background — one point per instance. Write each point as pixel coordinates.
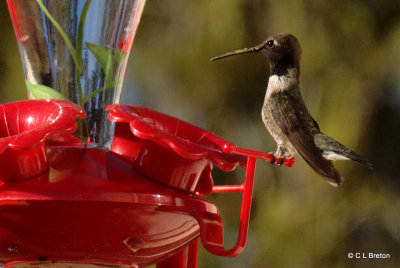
(350, 82)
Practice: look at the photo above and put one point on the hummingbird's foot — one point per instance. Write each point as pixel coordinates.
(272, 161)
(277, 160)
(287, 161)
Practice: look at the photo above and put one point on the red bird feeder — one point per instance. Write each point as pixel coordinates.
(114, 208)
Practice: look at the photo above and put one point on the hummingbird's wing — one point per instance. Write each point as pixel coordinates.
(291, 115)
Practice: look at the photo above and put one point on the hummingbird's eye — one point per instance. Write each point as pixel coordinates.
(270, 43)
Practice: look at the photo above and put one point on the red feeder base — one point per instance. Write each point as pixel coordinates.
(92, 207)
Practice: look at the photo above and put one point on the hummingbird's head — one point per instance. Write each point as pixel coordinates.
(281, 50)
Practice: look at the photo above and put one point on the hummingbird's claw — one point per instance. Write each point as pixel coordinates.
(289, 162)
(278, 161)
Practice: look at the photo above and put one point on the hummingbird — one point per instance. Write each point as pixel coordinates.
(286, 116)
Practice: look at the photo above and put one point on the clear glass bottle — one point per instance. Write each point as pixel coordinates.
(77, 50)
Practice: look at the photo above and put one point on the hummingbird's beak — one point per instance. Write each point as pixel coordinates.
(237, 52)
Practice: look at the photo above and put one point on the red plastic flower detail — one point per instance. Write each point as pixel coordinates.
(24, 128)
(185, 139)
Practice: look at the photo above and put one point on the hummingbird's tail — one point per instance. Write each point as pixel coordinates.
(333, 150)
(355, 157)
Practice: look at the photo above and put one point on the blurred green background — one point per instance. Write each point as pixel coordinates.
(350, 82)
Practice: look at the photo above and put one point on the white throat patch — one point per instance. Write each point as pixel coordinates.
(278, 83)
